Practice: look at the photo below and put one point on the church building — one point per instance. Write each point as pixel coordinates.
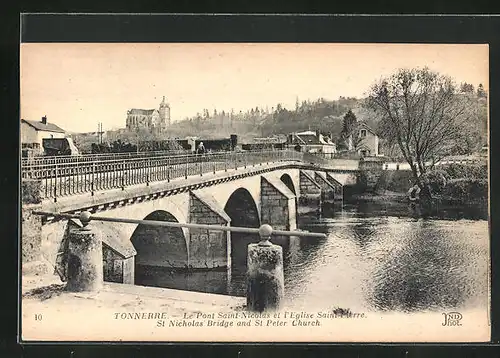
(154, 120)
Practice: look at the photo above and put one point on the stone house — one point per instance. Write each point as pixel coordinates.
(364, 141)
(34, 132)
(312, 142)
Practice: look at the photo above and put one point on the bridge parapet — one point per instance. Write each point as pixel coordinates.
(73, 178)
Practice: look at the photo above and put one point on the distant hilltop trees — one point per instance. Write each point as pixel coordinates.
(326, 116)
(321, 114)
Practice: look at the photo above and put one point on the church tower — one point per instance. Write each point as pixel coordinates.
(164, 113)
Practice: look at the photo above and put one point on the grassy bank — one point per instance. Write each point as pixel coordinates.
(453, 184)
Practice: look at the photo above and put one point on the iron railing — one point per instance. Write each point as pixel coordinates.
(264, 230)
(83, 158)
(73, 178)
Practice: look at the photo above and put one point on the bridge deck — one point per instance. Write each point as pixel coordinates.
(76, 178)
(162, 188)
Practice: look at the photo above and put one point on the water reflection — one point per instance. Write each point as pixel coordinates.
(441, 211)
(427, 269)
(218, 281)
(239, 244)
(375, 257)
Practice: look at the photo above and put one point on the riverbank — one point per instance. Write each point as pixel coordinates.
(383, 197)
(459, 185)
(388, 197)
(398, 204)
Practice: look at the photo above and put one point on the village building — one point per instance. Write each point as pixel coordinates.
(312, 142)
(34, 132)
(276, 139)
(153, 120)
(364, 141)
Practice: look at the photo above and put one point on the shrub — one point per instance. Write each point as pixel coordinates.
(472, 171)
(467, 189)
(31, 191)
(399, 180)
(383, 182)
(436, 180)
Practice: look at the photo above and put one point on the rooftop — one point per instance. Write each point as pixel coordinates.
(146, 112)
(310, 137)
(48, 127)
(363, 125)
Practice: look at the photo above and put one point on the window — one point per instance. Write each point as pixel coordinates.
(363, 133)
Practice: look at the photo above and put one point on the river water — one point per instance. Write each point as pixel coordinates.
(376, 257)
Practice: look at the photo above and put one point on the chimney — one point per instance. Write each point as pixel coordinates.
(44, 119)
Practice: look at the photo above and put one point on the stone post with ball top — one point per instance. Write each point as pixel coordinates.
(265, 278)
(85, 262)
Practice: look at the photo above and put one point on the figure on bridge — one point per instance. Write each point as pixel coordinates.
(200, 149)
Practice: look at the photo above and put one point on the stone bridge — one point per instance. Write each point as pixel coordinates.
(247, 197)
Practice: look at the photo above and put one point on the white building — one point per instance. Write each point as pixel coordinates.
(364, 140)
(33, 133)
(313, 142)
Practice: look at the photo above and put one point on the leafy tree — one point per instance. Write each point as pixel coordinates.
(480, 91)
(349, 123)
(423, 114)
(466, 87)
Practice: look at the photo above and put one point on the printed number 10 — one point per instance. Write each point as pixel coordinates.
(38, 317)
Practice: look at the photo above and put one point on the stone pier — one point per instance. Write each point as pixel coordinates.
(278, 204)
(339, 188)
(310, 193)
(208, 249)
(327, 189)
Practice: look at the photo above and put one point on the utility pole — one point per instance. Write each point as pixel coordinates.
(99, 132)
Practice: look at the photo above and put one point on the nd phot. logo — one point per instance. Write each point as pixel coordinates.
(452, 319)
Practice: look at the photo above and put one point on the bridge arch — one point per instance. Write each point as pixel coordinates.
(287, 180)
(242, 209)
(158, 246)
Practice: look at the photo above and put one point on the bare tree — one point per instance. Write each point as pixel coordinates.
(423, 113)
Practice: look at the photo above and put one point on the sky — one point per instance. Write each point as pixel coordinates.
(79, 85)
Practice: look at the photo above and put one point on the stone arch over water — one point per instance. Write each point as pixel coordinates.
(160, 247)
(242, 210)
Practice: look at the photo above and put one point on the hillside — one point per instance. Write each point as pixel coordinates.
(322, 114)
